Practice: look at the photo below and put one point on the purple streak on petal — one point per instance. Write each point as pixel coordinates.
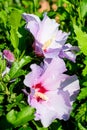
(71, 84)
(68, 51)
(30, 17)
(69, 55)
(62, 103)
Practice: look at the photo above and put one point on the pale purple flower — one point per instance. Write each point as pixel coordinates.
(49, 40)
(52, 92)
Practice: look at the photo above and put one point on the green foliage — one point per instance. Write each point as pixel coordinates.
(14, 111)
(81, 127)
(83, 93)
(20, 118)
(83, 8)
(81, 115)
(14, 21)
(15, 70)
(81, 37)
(3, 16)
(84, 72)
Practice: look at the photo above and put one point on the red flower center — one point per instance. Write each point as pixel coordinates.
(40, 92)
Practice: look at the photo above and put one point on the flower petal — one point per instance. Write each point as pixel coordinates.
(68, 52)
(32, 77)
(32, 23)
(57, 106)
(48, 29)
(71, 85)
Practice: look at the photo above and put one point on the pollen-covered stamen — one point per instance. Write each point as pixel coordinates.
(41, 96)
(46, 44)
(40, 92)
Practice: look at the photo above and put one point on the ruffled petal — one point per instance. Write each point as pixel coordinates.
(48, 30)
(60, 103)
(53, 75)
(32, 77)
(62, 37)
(57, 106)
(68, 51)
(32, 23)
(71, 84)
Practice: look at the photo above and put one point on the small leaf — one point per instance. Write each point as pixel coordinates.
(83, 94)
(15, 70)
(82, 113)
(3, 16)
(14, 38)
(81, 127)
(20, 118)
(84, 72)
(14, 19)
(83, 8)
(25, 128)
(81, 37)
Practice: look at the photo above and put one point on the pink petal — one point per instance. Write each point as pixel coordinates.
(32, 77)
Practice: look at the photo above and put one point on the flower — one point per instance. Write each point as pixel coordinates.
(8, 55)
(52, 92)
(49, 40)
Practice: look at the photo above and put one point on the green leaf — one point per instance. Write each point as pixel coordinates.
(56, 125)
(15, 70)
(19, 73)
(25, 128)
(19, 97)
(14, 19)
(81, 127)
(81, 114)
(38, 126)
(35, 4)
(84, 72)
(20, 118)
(83, 94)
(14, 38)
(81, 37)
(83, 8)
(3, 16)
(1, 98)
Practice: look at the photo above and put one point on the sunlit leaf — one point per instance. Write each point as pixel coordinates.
(15, 70)
(83, 8)
(81, 37)
(20, 118)
(83, 93)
